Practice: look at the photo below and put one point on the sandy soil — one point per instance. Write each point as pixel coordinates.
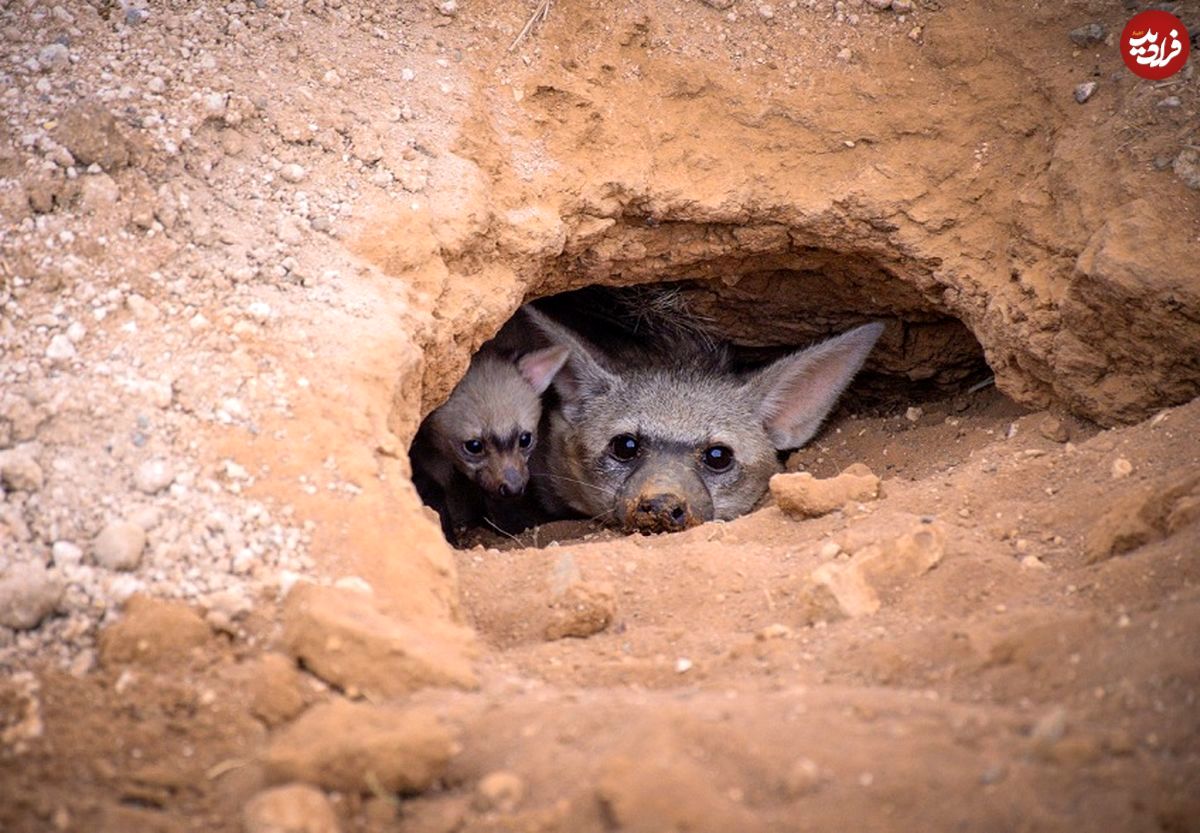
(245, 247)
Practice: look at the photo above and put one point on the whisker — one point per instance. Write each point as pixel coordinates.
(493, 525)
(602, 489)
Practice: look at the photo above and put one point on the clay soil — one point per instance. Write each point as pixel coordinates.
(282, 227)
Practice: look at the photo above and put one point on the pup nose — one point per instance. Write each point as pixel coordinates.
(513, 482)
(661, 513)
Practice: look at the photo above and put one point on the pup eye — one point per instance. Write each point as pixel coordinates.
(623, 447)
(718, 457)
(525, 440)
(473, 447)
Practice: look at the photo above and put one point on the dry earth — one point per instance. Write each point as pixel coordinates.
(246, 246)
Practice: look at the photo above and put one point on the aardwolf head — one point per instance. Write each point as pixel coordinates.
(659, 444)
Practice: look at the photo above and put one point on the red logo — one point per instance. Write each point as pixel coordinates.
(1155, 45)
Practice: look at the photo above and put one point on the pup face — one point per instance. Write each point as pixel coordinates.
(489, 425)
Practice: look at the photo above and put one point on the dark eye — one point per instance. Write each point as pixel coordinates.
(473, 447)
(525, 440)
(623, 447)
(718, 457)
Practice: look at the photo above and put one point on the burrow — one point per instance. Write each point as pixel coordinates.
(765, 288)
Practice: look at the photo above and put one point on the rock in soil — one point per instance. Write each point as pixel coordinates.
(295, 808)
(502, 791)
(582, 609)
(343, 638)
(19, 471)
(1143, 516)
(1084, 91)
(152, 632)
(119, 546)
(876, 572)
(1053, 429)
(803, 496)
(361, 748)
(91, 133)
(277, 689)
(1087, 34)
(28, 594)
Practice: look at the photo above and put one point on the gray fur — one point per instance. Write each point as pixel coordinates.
(678, 407)
(497, 401)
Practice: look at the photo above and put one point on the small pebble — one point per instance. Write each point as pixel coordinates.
(152, 476)
(914, 414)
(54, 56)
(1084, 91)
(66, 554)
(214, 105)
(1052, 428)
(1087, 35)
(292, 173)
(502, 791)
(766, 12)
(802, 778)
(845, 55)
(119, 546)
(28, 594)
(449, 8)
(19, 471)
(1171, 102)
(1121, 468)
(60, 349)
(683, 665)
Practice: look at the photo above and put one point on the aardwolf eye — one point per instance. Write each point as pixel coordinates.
(718, 457)
(525, 439)
(474, 447)
(623, 447)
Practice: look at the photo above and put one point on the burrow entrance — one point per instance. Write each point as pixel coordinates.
(924, 393)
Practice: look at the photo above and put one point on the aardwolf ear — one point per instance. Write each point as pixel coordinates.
(797, 392)
(539, 367)
(583, 377)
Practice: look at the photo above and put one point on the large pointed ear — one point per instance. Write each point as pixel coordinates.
(583, 375)
(797, 392)
(539, 367)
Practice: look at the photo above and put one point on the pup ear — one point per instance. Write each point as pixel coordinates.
(539, 367)
(797, 392)
(581, 376)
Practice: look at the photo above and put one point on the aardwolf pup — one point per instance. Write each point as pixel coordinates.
(470, 457)
(662, 443)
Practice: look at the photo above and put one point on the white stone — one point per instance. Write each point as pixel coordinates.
(152, 476)
(292, 173)
(28, 594)
(119, 546)
(19, 471)
(214, 105)
(60, 349)
(66, 554)
(53, 56)
(76, 332)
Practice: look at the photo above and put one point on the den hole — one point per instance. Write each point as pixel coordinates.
(923, 400)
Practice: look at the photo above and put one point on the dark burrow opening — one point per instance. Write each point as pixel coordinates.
(475, 454)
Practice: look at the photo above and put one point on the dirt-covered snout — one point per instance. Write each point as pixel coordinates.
(663, 441)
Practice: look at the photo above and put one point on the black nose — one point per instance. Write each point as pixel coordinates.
(661, 513)
(513, 483)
